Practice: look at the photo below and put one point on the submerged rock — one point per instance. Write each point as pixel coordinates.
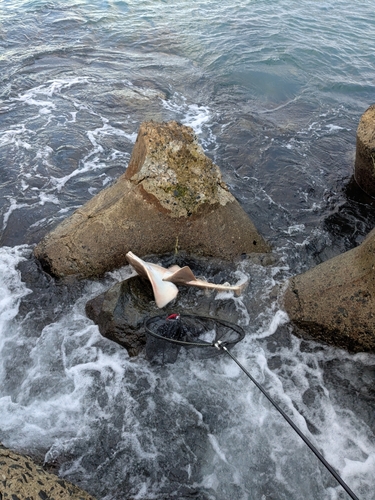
(21, 478)
(171, 198)
(334, 302)
(364, 172)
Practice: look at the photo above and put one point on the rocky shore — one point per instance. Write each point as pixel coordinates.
(335, 301)
(22, 479)
(171, 198)
(172, 201)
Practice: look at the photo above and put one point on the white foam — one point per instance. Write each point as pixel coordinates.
(88, 166)
(198, 117)
(208, 336)
(333, 128)
(92, 160)
(108, 130)
(14, 205)
(321, 128)
(49, 89)
(45, 106)
(74, 117)
(12, 288)
(279, 318)
(12, 291)
(211, 482)
(44, 154)
(107, 180)
(215, 445)
(122, 273)
(354, 469)
(296, 228)
(48, 198)
(232, 370)
(66, 361)
(15, 136)
(72, 367)
(224, 295)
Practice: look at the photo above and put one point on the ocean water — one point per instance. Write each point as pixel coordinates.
(274, 91)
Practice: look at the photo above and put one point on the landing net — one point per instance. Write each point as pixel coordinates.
(167, 334)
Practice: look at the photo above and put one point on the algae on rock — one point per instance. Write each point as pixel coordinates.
(171, 192)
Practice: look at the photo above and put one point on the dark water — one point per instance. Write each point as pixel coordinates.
(274, 91)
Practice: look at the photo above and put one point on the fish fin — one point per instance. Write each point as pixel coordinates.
(182, 276)
(137, 263)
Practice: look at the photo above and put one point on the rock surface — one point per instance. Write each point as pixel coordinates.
(121, 311)
(364, 172)
(22, 479)
(170, 198)
(334, 302)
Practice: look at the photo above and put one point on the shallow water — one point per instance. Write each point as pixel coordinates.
(274, 91)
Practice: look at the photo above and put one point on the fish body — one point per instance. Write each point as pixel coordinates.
(164, 291)
(164, 281)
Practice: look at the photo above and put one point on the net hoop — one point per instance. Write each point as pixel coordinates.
(239, 331)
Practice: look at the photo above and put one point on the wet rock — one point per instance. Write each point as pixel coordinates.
(334, 302)
(364, 172)
(21, 478)
(171, 198)
(121, 311)
(48, 299)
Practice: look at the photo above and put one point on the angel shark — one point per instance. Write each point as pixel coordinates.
(163, 281)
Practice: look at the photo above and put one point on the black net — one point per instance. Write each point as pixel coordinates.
(166, 335)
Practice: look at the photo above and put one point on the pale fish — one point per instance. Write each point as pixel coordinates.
(163, 281)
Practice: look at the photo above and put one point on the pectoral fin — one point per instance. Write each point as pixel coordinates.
(182, 276)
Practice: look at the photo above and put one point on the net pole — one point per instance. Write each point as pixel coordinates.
(292, 424)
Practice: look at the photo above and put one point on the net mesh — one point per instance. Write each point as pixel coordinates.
(166, 335)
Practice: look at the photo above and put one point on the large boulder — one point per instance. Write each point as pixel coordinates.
(364, 172)
(21, 478)
(334, 302)
(171, 197)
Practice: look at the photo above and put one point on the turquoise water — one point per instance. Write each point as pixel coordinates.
(274, 91)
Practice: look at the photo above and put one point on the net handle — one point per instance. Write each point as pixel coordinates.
(240, 331)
